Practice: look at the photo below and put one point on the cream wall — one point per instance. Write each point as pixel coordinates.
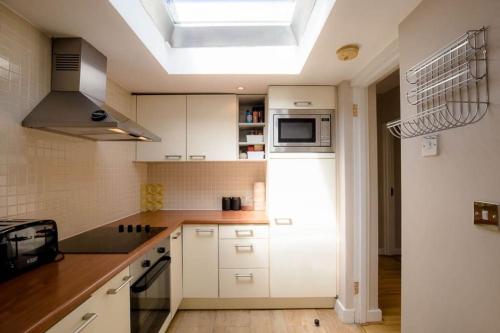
(450, 268)
(79, 183)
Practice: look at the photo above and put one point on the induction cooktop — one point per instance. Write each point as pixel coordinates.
(110, 239)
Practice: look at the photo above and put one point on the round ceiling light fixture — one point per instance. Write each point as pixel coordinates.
(240, 88)
(348, 52)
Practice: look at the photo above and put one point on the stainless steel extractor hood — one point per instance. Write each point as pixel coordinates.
(75, 104)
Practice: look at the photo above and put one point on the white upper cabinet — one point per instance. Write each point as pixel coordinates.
(212, 127)
(302, 97)
(164, 115)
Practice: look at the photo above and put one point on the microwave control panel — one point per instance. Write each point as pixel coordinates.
(325, 140)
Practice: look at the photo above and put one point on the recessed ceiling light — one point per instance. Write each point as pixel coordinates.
(240, 88)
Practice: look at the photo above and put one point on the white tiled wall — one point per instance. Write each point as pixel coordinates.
(201, 185)
(79, 183)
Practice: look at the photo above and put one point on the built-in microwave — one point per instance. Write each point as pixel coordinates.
(302, 131)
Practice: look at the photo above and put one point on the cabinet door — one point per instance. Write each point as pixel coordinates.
(302, 97)
(301, 191)
(303, 261)
(176, 269)
(112, 303)
(212, 127)
(200, 261)
(164, 115)
(84, 318)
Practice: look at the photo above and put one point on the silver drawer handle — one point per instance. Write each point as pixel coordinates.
(87, 319)
(126, 280)
(239, 276)
(244, 246)
(197, 157)
(249, 232)
(283, 221)
(173, 157)
(205, 230)
(177, 235)
(302, 103)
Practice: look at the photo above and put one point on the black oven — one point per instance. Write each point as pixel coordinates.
(150, 296)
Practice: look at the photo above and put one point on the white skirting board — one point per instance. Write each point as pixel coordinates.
(345, 315)
(374, 315)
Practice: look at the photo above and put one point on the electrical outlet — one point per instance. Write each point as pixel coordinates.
(430, 145)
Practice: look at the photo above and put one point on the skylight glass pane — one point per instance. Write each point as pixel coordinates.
(231, 12)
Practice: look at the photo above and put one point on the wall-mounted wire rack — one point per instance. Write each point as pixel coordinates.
(449, 88)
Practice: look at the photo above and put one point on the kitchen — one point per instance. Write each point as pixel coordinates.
(188, 185)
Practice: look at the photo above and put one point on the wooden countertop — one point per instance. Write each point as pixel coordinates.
(36, 300)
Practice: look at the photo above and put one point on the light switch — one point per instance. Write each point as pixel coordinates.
(430, 145)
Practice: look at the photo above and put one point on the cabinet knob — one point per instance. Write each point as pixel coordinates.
(302, 103)
(197, 157)
(161, 250)
(146, 263)
(173, 157)
(283, 221)
(205, 230)
(239, 276)
(126, 280)
(87, 319)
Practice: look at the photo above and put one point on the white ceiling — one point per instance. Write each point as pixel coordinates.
(371, 24)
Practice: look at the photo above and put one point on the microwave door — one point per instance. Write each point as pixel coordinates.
(296, 131)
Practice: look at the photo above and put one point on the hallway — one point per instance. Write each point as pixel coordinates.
(389, 296)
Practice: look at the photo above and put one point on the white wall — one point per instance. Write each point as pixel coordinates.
(451, 269)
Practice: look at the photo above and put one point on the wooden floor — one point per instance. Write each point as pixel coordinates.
(389, 296)
(259, 321)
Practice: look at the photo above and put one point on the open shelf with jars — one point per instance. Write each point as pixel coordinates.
(252, 127)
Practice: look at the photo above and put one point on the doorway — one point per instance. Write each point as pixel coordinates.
(389, 207)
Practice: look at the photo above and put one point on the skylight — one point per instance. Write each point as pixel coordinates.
(227, 36)
(231, 12)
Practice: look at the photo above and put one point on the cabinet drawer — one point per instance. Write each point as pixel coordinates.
(243, 231)
(240, 283)
(244, 253)
(84, 317)
(302, 97)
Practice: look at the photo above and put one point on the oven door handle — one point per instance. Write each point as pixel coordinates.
(148, 278)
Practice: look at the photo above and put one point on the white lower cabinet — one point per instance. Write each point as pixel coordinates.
(200, 261)
(107, 310)
(244, 283)
(302, 240)
(302, 261)
(176, 270)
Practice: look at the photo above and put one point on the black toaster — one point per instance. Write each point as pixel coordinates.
(25, 244)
